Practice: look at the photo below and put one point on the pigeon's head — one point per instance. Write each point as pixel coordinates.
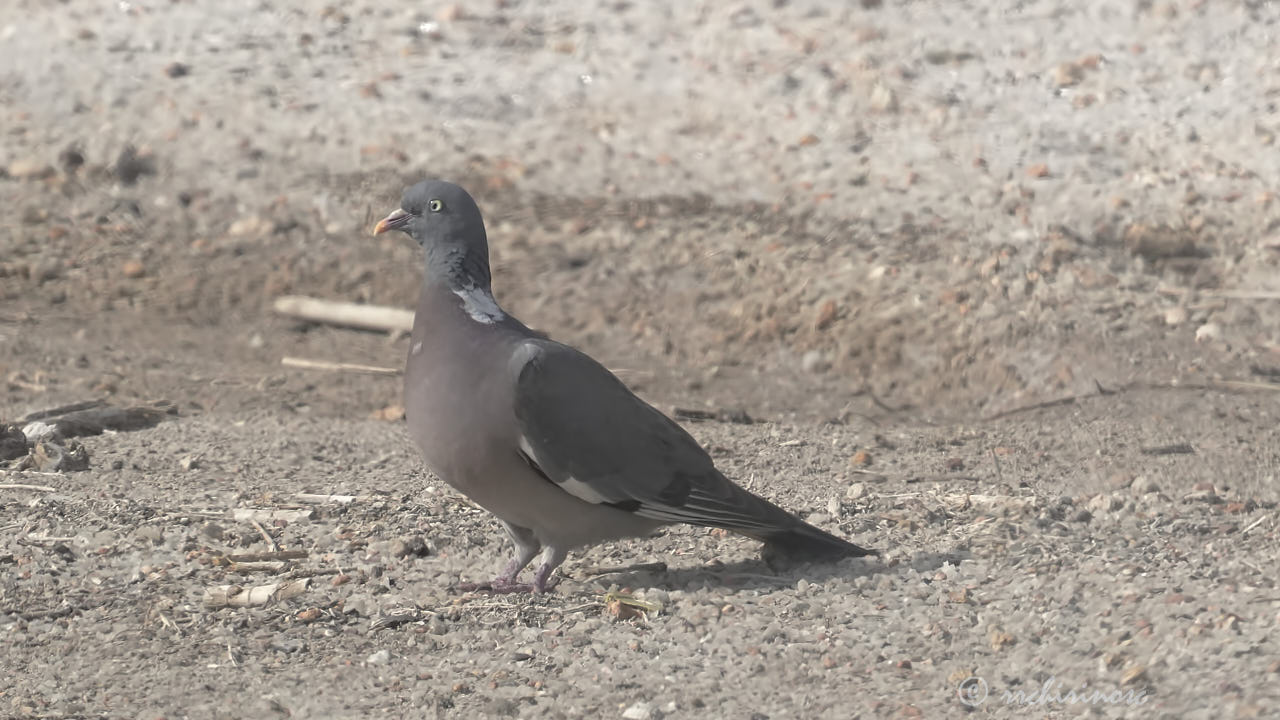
(446, 222)
(435, 212)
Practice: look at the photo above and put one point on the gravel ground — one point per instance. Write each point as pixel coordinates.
(1000, 286)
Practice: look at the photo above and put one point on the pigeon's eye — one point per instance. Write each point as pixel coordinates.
(435, 206)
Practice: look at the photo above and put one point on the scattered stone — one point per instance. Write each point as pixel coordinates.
(1120, 480)
(1000, 639)
(310, 615)
(1208, 332)
(862, 458)
(413, 546)
(1133, 675)
(357, 605)
(449, 13)
(1143, 485)
(13, 443)
(1039, 170)
(1105, 502)
(38, 431)
(34, 215)
(132, 164)
(248, 225)
(382, 657)
(639, 711)
(1203, 492)
(1067, 74)
(45, 270)
(189, 462)
(883, 99)
(133, 269)
(390, 413)
(30, 169)
(149, 533)
(48, 456)
(1160, 242)
(177, 70)
(826, 315)
(1175, 316)
(71, 158)
(815, 362)
(857, 491)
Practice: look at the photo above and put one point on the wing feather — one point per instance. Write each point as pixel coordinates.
(589, 434)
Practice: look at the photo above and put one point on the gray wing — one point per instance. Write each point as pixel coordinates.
(585, 431)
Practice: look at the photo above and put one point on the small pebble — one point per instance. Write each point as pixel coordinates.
(1208, 332)
(1143, 485)
(814, 362)
(639, 711)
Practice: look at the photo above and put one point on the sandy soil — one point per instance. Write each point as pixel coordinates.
(1001, 289)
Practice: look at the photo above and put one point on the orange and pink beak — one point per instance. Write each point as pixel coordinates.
(395, 221)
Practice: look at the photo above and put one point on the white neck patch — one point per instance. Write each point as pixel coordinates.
(480, 305)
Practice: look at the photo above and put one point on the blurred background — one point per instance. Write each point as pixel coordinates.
(789, 207)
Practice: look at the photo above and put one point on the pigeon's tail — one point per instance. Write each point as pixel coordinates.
(785, 536)
(806, 542)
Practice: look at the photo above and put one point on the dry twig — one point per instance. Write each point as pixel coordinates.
(312, 499)
(365, 317)
(328, 366)
(271, 542)
(32, 488)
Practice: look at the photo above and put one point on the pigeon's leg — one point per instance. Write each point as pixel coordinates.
(552, 556)
(526, 547)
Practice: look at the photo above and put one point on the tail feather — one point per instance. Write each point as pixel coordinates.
(785, 536)
(806, 542)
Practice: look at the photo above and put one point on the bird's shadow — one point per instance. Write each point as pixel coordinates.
(749, 574)
(757, 574)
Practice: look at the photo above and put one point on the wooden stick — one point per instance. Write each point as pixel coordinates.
(1226, 294)
(271, 542)
(276, 556)
(366, 317)
(1245, 385)
(312, 499)
(63, 410)
(32, 488)
(274, 566)
(309, 364)
(270, 515)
